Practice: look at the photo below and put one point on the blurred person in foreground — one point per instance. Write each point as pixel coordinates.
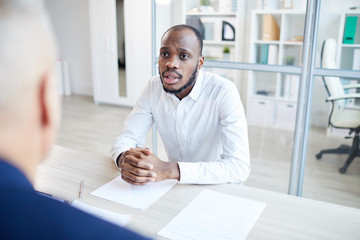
(29, 117)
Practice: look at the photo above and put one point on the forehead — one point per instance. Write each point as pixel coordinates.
(181, 38)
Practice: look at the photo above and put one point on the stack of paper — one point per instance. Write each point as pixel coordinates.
(214, 216)
(115, 218)
(139, 197)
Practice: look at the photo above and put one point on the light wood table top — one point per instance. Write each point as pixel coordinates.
(284, 217)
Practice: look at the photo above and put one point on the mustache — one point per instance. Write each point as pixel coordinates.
(180, 76)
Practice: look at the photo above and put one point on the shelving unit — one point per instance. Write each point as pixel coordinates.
(272, 97)
(213, 44)
(345, 53)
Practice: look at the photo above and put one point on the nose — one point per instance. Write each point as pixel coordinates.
(172, 62)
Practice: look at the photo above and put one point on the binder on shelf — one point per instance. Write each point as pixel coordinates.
(263, 55)
(356, 59)
(286, 86)
(271, 30)
(350, 30)
(294, 87)
(291, 86)
(272, 54)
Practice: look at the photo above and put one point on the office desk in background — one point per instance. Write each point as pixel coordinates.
(284, 217)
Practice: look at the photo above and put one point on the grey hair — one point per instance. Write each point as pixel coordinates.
(27, 50)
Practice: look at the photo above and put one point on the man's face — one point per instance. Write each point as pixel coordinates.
(179, 61)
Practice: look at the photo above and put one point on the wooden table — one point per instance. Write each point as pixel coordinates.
(284, 217)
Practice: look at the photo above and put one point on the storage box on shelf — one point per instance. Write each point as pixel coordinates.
(276, 38)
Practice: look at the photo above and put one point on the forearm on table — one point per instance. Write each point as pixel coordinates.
(222, 171)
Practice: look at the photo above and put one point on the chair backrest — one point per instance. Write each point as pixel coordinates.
(333, 85)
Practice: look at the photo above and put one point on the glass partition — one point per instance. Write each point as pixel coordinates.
(266, 40)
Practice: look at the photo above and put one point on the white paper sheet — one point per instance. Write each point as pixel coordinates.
(214, 216)
(140, 197)
(115, 218)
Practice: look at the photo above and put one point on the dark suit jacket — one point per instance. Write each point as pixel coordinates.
(24, 214)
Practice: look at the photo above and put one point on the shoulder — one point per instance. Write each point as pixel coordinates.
(29, 214)
(214, 82)
(155, 83)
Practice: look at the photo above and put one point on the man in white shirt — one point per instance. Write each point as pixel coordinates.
(199, 116)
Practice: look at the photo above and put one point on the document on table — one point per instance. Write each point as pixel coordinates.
(115, 218)
(214, 216)
(140, 197)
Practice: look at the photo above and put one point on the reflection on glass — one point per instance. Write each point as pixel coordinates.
(121, 46)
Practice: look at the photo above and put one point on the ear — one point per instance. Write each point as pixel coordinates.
(48, 110)
(43, 101)
(201, 62)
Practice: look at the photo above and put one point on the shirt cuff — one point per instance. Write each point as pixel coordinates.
(188, 172)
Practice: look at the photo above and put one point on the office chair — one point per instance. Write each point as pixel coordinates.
(340, 117)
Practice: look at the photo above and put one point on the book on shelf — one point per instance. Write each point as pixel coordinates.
(356, 59)
(271, 30)
(350, 29)
(263, 54)
(291, 86)
(272, 54)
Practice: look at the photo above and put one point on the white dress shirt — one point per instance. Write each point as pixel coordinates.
(205, 132)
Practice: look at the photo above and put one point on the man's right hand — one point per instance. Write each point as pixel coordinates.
(133, 169)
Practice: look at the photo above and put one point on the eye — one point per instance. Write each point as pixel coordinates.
(164, 54)
(184, 56)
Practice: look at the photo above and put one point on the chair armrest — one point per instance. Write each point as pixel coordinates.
(344, 96)
(351, 86)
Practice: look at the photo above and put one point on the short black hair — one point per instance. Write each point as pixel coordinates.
(194, 30)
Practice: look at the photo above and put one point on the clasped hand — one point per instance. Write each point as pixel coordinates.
(140, 166)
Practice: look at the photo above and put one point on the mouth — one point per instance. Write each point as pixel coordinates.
(171, 78)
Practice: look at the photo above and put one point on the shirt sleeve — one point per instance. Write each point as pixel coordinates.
(233, 165)
(136, 125)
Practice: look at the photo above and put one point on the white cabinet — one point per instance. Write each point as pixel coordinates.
(276, 38)
(261, 112)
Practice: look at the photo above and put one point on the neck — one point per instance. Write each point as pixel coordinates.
(18, 147)
(185, 92)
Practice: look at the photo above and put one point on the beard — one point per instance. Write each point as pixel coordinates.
(188, 84)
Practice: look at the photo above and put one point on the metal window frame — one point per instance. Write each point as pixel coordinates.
(307, 72)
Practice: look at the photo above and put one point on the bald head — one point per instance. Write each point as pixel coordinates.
(183, 27)
(27, 51)
(29, 104)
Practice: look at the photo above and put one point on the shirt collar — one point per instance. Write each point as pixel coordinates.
(12, 176)
(195, 92)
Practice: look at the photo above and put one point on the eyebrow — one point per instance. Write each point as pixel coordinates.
(178, 49)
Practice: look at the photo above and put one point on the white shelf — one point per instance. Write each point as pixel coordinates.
(279, 11)
(293, 43)
(219, 43)
(263, 97)
(266, 42)
(280, 105)
(215, 14)
(351, 45)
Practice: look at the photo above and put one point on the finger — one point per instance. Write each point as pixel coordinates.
(136, 162)
(136, 179)
(136, 171)
(128, 180)
(147, 151)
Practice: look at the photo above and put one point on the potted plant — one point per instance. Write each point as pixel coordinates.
(226, 53)
(205, 6)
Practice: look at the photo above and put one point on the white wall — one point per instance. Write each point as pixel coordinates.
(70, 20)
